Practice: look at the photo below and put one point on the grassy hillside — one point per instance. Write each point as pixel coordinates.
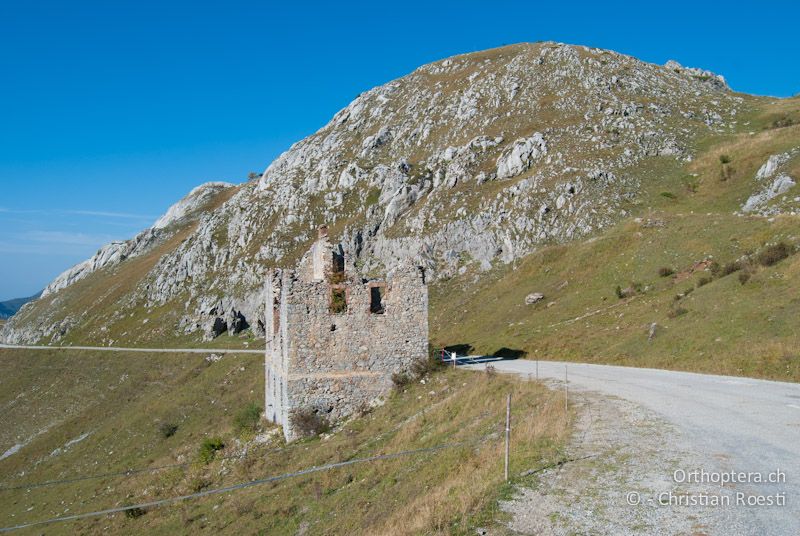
(704, 322)
(88, 414)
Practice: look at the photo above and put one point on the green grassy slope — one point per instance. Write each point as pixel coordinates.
(685, 217)
(120, 401)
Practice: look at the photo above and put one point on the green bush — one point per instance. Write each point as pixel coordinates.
(133, 513)
(724, 159)
(715, 269)
(198, 483)
(167, 429)
(668, 195)
(208, 449)
(422, 367)
(627, 292)
(705, 280)
(774, 254)
(248, 418)
(400, 379)
(678, 311)
(691, 183)
(744, 277)
(665, 271)
(782, 122)
(730, 268)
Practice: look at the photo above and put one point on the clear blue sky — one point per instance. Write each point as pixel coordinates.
(112, 110)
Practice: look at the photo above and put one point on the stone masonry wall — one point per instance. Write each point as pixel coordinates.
(336, 363)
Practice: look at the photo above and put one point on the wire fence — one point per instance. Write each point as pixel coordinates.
(243, 485)
(140, 350)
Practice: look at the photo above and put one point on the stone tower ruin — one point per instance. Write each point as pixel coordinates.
(334, 339)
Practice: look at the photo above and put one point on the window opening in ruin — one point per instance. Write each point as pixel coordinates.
(338, 300)
(376, 294)
(336, 274)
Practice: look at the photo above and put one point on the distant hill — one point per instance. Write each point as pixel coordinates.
(10, 307)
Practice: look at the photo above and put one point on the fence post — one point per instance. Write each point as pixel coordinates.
(508, 432)
(566, 392)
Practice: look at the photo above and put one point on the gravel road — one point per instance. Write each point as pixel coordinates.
(717, 424)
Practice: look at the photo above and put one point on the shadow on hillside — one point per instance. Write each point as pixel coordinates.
(462, 349)
(510, 353)
(464, 354)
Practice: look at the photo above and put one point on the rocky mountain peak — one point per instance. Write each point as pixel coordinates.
(468, 161)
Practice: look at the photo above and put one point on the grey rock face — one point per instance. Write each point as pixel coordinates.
(521, 156)
(768, 200)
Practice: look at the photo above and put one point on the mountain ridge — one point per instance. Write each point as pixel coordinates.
(464, 163)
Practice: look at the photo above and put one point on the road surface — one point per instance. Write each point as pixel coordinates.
(730, 424)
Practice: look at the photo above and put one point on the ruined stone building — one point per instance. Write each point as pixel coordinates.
(334, 339)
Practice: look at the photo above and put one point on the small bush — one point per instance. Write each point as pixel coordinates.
(691, 183)
(744, 277)
(665, 271)
(668, 195)
(133, 513)
(676, 312)
(724, 159)
(362, 409)
(400, 379)
(627, 292)
(730, 268)
(248, 418)
(784, 121)
(208, 449)
(198, 483)
(714, 268)
(774, 254)
(491, 372)
(167, 429)
(705, 280)
(308, 422)
(418, 370)
(422, 367)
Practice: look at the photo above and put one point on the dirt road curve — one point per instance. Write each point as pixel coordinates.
(714, 423)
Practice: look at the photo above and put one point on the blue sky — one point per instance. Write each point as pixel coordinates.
(111, 111)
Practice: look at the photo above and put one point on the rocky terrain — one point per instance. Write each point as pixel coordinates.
(464, 164)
